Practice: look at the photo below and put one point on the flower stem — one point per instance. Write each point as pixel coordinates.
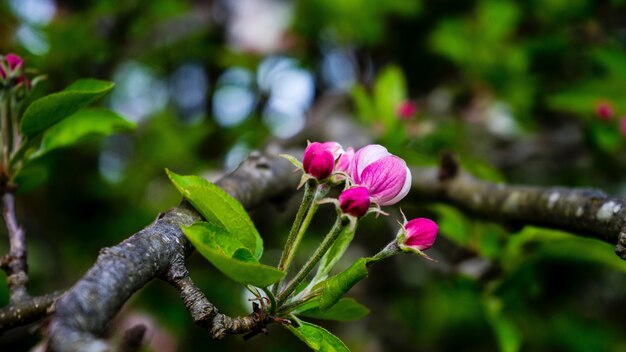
(5, 132)
(390, 250)
(310, 264)
(309, 203)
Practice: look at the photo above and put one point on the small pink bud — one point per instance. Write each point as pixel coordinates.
(3, 75)
(14, 61)
(355, 201)
(604, 110)
(386, 176)
(345, 160)
(407, 109)
(318, 160)
(419, 234)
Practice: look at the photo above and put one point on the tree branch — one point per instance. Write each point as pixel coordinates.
(83, 313)
(587, 212)
(14, 263)
(27, 311)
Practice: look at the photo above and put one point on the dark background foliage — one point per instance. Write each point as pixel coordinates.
(512, 87)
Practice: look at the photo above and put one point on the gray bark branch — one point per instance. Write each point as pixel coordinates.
(586, 212)
(159, 250)
(14, 263)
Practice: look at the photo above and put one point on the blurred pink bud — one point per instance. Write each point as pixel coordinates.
(419, 234)
(3, 75)
(23, 79)
(386, 176)
(355, 201)
(407, 109)
(319, 159)
(345, 160)
(604, 110)
(14, 61)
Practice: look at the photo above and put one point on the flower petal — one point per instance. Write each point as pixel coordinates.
(366, 156)
(405, 188)
(385, 179)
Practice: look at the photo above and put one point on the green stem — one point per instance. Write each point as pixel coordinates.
(307, 198)
(5, 133)
(300, 225)
(17, 136)
(306, 269)
(272, 299)
(390, 250)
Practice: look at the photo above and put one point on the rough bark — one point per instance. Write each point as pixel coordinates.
(27, 311)
(587, 212)
(14, 263)
(159, 250)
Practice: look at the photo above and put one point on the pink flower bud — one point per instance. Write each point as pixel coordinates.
(345, 160)
(604, 110)
(3, 75)
(418, 234)
(355, 201)
(386, 176)
(407, 109)
(14, 61)
(319, 160)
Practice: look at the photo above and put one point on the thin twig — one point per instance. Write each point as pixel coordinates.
(27, 311)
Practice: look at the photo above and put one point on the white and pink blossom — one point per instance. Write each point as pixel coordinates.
(386, 176)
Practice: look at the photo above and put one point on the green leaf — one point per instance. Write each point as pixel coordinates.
(49, 110)
(347, 309)
(80, 126)
(219, 247)
(318, 338)
(363, 103)
(335, 252)
(219, 207)
(337, 286)
(30, 177)
(389, 92)
(508, 335)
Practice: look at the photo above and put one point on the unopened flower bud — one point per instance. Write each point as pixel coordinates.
(345, 160)
(604, 110)
(407, 109)
(318, 160)
(14, 61)
(417, 235)
(355, 201)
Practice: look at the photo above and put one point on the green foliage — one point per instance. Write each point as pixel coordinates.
(346, 309)
(317, 338)
(81, 125)
(335, 287)
(350, 20)
(508, 335)
(335, 252)
(219, 207)
(224, 250)
(49, 110)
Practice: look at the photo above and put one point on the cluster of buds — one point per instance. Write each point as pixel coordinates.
(372, 175)
(12, 72)
(373, 178)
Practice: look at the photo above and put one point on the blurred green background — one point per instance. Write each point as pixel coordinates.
(513, 87)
